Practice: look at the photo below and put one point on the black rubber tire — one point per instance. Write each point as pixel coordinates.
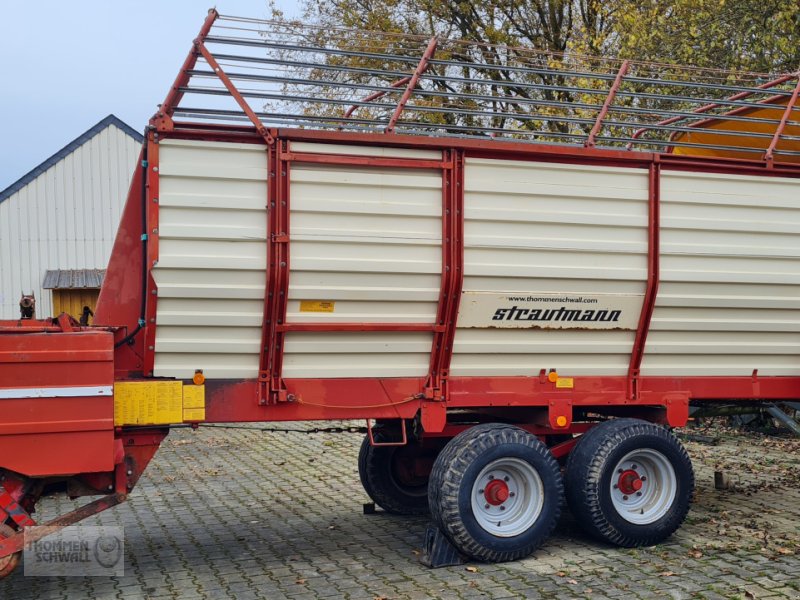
(377, 469)
(453, 476)
(588, 481)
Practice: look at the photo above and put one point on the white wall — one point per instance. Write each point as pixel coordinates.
(66, 218)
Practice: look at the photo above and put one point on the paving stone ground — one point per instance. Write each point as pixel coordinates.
(242, 513)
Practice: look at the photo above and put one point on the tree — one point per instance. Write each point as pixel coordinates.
(749, 35)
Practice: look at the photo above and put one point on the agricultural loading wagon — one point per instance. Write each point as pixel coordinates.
(521, 269)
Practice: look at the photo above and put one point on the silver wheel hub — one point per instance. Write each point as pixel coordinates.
(507, 497)
(643, 486)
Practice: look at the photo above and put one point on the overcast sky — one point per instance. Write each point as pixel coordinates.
(67, 65)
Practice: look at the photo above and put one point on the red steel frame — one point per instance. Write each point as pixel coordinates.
(612, 93)
(790, 106)
(661, 398)
(653, 277)
(542, 408)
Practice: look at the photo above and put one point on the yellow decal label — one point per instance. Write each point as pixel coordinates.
(565, 382)
(158, 402)
(194, 403)
(194, 396)
(148, 402)
(317, 306)
(194, 414)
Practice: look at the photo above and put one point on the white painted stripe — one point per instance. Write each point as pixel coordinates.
(58, 392)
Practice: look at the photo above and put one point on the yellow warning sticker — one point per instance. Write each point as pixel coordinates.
(194, 396)
(317, 306)
(565, 382)
(148, 402)
(194, 414)
(158, 402)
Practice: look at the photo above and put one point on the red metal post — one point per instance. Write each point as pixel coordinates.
(452, 276)
(277, 291)
(162, 120)
(151, 300)
(262, 131)
(612, 93)
(769, 154)
(421, 68)
(653, 277)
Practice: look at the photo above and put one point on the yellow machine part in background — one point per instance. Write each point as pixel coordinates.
(707, 133)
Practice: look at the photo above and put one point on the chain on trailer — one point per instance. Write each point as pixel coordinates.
(362, 430)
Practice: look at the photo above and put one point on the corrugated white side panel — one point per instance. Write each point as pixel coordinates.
(369, 240)
(356, 354)
(66, 218)
(549, 228)
(729, 299)
(212, 258)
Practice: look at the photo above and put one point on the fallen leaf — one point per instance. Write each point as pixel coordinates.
(666, 574)
(300, 582)
(473, 584)
(785, 551)
(415, 552)
(561, 574)
(572, 581)
(695, 553)
(471, 569)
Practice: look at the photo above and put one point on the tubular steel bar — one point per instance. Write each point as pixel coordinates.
(382, 90)
(308, 76)
(623, 70)
(235, 93)
(376, 95)
(769, 154)
(16, 542)
(713, 105)
(653, 278)
(412, 84)
(163, 118)
(276, 298)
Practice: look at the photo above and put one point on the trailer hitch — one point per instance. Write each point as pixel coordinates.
(16, 542)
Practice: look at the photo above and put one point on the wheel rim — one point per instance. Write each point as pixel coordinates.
(404, 476)
(507, 497)
(643, 486)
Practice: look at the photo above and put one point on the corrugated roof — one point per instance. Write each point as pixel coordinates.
(64, 279)
(78, 141)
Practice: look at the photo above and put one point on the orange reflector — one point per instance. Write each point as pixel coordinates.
(561, 421)
(199, 378)
(552, 376)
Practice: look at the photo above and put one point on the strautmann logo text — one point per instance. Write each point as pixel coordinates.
(515, 313)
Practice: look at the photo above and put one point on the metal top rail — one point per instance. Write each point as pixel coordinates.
(305, 76)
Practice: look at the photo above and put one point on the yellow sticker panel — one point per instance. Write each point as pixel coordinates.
(194, 414)
(158, 402)
(194, 396)
(565, 382)
(325, 306)
(148, 402)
